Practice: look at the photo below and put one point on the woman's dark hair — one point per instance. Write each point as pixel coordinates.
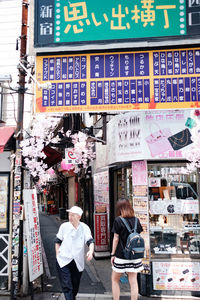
(124, 209)
(163, 182)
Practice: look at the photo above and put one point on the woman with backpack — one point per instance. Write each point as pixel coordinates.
(120, 263)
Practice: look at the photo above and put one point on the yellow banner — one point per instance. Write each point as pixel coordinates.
(158, 79)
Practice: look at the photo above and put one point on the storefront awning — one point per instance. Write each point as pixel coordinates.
(5, 133)
(52, 156)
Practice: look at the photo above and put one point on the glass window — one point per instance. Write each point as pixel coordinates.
(174, 211)
(1, 101)
(124, 183)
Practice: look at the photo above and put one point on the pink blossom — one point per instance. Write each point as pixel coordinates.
(41, 135)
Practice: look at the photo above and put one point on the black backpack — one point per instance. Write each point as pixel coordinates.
(134, 247)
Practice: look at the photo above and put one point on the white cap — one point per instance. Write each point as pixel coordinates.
(76, 210)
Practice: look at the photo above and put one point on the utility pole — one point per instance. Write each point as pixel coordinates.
(17, 224)
(22, 73)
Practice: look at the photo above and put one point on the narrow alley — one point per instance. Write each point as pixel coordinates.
(90, 282)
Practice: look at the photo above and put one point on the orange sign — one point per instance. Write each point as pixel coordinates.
(158, 79)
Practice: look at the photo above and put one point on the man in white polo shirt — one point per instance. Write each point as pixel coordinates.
(70, 251)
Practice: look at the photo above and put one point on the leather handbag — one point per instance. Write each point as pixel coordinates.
(180, 139)
(158, 142)
(170, 208)
(190, 123)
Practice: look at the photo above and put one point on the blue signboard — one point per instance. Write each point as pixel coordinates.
(120, 81)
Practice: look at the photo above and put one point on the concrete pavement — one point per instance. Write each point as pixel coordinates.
(59, 296)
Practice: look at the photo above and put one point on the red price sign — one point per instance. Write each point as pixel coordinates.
(101, 232)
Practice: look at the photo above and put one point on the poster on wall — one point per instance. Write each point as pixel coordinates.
(140, 190)
(174, 206)
(17, 214)
(35, 262)
(101, 211)
(176, 276)
(154, 135)
(139, 173)
(101, 232)
(154, 182)
(140, 205)
(4, 200)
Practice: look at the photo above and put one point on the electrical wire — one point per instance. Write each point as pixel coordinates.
(14, 110)
(15, 90)
(1, 93)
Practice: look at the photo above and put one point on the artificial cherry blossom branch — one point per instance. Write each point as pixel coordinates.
(41, 135)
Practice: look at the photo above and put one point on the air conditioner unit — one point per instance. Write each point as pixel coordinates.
(5, 78)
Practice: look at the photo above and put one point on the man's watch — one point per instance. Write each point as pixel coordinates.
(112, 255)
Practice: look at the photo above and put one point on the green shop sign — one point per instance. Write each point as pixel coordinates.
(107, 20)
(64, 21)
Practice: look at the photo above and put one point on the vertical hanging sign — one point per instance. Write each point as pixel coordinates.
(140, 204)
(101, 211)
(33, 234)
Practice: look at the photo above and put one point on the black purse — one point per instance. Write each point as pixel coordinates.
(180, 139)
(170, 208)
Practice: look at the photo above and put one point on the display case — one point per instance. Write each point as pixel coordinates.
(174, 212)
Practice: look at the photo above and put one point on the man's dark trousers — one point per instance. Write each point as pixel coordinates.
(69, 277)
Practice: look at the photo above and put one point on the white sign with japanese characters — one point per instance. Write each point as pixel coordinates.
(33, 234)
(174, 206)
(176, 276)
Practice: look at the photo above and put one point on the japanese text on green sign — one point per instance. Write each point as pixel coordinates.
(115, 19)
